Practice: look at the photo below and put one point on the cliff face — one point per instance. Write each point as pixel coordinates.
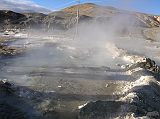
(66, 18)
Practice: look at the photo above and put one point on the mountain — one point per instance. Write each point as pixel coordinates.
(10, 19)
(22, 6)
(66, 18)
(93, 10)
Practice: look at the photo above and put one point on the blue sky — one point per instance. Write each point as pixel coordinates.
(147, 6)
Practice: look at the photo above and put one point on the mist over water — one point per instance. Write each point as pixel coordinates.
(86, 66)
(95, 45)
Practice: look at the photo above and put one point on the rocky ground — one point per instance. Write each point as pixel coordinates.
(60, 101)
(85, 99)
(140, 98)
(79, 92)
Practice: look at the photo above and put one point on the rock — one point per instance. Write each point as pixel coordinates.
(148, 20)
(100, 110)
(10, 19)
(143, 94)
(139, 102)
(10, 112)
(5, 87)
(10, 51)
(107, 85)
(12, 106)
(153, 114)
(146, 64)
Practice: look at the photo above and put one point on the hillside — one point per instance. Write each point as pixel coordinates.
(94, 10)
(11, 19)
(66, 18)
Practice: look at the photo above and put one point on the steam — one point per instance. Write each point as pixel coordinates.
(105, 43)
(111, 43)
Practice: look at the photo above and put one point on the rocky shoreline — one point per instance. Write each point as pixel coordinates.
(140, 100)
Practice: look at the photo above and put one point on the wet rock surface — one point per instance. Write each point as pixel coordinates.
(10, 112)
(146, 64)
(12, 105)
(48, 104)
(100, 110)
(5, 87)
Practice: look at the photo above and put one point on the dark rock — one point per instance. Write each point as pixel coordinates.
(10, 112)
(5, 87)
(147, 64)
(11, 19)
(153, 114)
(100, 110)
